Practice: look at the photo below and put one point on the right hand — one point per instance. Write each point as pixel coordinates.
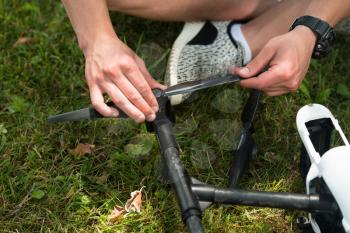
(113, 68)
(287, 57)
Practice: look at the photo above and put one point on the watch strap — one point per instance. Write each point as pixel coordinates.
(323, 31)
(321, 28)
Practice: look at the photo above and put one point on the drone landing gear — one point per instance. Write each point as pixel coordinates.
(320, 134)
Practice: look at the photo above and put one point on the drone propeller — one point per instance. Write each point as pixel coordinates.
(183, 88)
(192, 86)
(83, 114)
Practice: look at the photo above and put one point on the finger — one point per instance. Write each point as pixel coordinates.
(276, 93)
(267, 79)
(133, 95)
(135, 76)
(276, 89)
(154, 84)
(257, 64)
(122, 102)
(99, 104)
(150, 80)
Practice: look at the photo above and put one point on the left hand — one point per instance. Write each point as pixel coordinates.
(287, 58)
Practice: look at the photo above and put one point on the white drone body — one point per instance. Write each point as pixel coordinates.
(333, 166)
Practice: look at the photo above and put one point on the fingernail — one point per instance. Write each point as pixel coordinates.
(155, 108)
(231, 70)
(151, 117)
(140, 118)
(245, 70)
(115, 114)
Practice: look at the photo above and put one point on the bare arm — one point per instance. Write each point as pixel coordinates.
(89, 19)
(330, 11)
(110, 66)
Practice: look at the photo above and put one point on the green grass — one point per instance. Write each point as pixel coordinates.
(44, 188)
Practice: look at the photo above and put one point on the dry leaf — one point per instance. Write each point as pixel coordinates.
(132, 205)
(117, 212)
(102, 179)
(23, 40)
(135, 202)
(82, 149)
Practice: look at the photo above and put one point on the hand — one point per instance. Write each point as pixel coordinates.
(113, 68)
(287, 57)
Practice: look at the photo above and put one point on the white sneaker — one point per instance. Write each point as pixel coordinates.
(202, 50)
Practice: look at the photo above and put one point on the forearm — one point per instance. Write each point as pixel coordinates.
(332, 11)
(90, 20)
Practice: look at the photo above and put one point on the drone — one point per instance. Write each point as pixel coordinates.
(324, 169)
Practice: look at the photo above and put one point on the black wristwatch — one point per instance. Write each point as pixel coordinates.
(324, 32)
